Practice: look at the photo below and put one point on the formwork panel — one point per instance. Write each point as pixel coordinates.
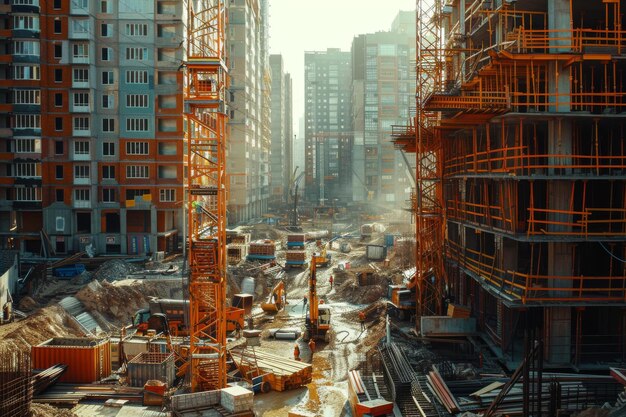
(151, 366)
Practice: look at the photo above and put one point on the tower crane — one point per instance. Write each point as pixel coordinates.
(206, 83)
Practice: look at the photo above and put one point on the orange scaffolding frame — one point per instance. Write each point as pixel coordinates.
(206, 83)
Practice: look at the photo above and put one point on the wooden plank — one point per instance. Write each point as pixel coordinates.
(488, 388)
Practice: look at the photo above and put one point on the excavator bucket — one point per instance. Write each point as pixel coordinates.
(269, 307)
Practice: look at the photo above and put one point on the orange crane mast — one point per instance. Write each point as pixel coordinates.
(206, 83)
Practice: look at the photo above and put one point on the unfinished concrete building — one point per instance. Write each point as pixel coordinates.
(521, 162)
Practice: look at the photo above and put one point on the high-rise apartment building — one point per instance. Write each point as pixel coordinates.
(91, 125)
(281, 158)
(328, 131)
(249, 141)
(383, 86)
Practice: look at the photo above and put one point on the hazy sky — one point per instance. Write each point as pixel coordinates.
(297, 26)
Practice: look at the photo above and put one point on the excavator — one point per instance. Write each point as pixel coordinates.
(318, 317)
(276, 300)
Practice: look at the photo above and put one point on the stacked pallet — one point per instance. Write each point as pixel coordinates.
(282, 373)
(296, 258)
(240, 239)
(262, 249)
(296, 240)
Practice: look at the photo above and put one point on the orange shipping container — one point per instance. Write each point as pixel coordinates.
(88, 360)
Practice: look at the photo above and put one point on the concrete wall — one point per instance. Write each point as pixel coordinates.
(8, 286)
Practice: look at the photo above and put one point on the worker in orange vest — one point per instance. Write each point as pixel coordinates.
(362, 320)
(296, 352)
(312, 347)
(330, 280)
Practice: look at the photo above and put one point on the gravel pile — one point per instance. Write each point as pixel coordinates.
(114, 270)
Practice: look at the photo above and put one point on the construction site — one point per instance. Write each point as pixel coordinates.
(497, 289)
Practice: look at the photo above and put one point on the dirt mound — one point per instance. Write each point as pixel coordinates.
(45, 324)
(352, 292)
(119, 301)
(27, 304)
(45, 410)
(114, 270)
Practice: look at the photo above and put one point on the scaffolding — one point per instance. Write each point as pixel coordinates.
(521, 178)
(206, 85)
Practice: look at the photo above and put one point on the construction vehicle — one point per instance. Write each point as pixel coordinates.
(323, 258)
(170, 314)
(277, 300)
(401, 302)
(318, 325)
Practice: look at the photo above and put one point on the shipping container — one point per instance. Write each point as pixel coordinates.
(376, 252)
(88, 359)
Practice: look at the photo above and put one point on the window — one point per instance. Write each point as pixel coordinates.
(105, 6)
(27, 121)
(137, 171)
(108, 172)
(28, 194)
(57, 26)
(81, 4)
(58, 147)
(27, 145)
(81, 171)
(137, 148)
(80, 50)
(137, 100)
(80, 75)
(167, 148)
(107, 77)
(167, 195)
(81, 99)
(106, 54)
(81, 26)
(108, 101)
(58, 75)
(26, 72)
(58, 124)
(27, 169)
(81, 195)
(131, 194)
(26, 48)
(136, 54)
(60, 195)
(57, 4)
(81, 123)
(108, 195)
(27, 97)
(81, 147)
(108, 149)
(137, 77)
(108, 125)
(136, 29)
(26, 22)
(106, 30)
(137, 125)
(58, 172)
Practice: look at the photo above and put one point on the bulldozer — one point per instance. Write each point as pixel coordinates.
(276, 300)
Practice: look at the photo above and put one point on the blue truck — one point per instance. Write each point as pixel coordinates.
(68, 271)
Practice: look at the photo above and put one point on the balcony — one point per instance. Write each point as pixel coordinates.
(81, 204)
(25, 6)
(80, 84)
(26, 59)
(81, 59)
(79, 7)
(81, 132)
(80, 108)
(23, 131)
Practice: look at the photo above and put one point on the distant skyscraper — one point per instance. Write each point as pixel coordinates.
(383, 86)
(280, 160)
(328, 126)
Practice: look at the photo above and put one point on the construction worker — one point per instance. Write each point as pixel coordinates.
(296, 352)
(330, 281)
(362, 320)
(312, 347)
(304, 302)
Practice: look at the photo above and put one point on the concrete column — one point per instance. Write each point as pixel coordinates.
(123, 231)
(559, 18)
(153, 228)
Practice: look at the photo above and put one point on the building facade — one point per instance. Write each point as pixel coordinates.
(249, 141)
(92, 128)
(328, 126)
(282, 132)
(383, 85)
